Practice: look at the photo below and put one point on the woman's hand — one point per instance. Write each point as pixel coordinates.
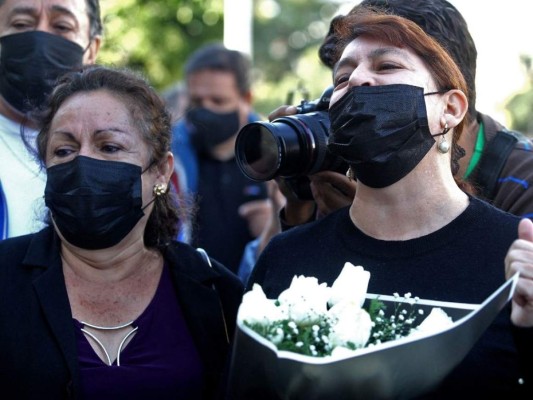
(519, 258)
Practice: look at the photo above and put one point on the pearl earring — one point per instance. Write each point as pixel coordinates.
(443, 145)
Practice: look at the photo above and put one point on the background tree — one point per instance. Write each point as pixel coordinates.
(520, 106)
(157, 36)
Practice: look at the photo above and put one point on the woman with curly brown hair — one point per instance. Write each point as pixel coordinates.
(104, 303)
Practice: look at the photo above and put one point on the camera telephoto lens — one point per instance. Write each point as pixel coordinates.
(257, 152)
(287, 147)
(290, 146)
(283, 147)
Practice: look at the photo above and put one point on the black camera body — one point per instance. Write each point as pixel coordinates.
(289, 147)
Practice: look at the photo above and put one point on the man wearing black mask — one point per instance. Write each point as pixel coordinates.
(39, 41)
(229, 205)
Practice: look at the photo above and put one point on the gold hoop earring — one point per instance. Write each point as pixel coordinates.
(443, 145)
(160, 189)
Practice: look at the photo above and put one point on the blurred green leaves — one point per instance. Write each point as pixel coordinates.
(520, 106)
(157, 36)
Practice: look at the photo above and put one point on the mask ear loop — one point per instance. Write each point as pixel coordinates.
(437, 92)
(149, 166)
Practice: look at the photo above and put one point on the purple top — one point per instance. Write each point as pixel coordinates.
(159, 362)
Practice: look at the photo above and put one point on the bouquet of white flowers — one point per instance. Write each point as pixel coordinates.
(320, 342)
(316, 320)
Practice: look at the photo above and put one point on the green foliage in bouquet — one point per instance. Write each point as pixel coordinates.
(316, 320)
(392, 326)
(309, 340)
(313, 339)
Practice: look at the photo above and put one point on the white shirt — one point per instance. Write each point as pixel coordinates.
(22, 180)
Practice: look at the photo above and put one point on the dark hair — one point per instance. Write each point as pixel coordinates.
(440, 20)
(216, 57)
(175, 99)
(151, 117)
(95, 20)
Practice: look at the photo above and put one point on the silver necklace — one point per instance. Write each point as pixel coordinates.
(109, 328)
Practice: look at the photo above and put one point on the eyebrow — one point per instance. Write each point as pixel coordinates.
(111, 130)
(350, 61)
(66, 134)
(27, 10)
(98, 132)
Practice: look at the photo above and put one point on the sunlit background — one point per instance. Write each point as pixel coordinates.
(502, 31)
(282, 38)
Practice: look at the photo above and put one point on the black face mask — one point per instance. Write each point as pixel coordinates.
(382, 131)
(94, 203)
(30, 63)
(209, 129)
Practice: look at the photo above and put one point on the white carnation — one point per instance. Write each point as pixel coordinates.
(350, 285)
(436, 321)
(305, 300)
(350, 323)
(257, 309)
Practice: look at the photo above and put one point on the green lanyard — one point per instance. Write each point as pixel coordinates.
(478, 150)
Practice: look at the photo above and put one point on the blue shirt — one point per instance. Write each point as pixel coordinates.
(3, 214)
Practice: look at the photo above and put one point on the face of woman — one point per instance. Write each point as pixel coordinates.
(369, 62)
(98, 124)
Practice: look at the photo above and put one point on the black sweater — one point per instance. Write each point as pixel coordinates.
(462, 262)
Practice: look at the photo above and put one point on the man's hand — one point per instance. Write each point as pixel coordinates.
(282, 111)
(257, 213)
(262, 215)
(331, 191)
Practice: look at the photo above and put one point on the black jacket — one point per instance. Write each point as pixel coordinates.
(504, 174)
(38, 352)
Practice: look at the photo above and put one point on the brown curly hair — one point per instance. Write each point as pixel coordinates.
(151, 117)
